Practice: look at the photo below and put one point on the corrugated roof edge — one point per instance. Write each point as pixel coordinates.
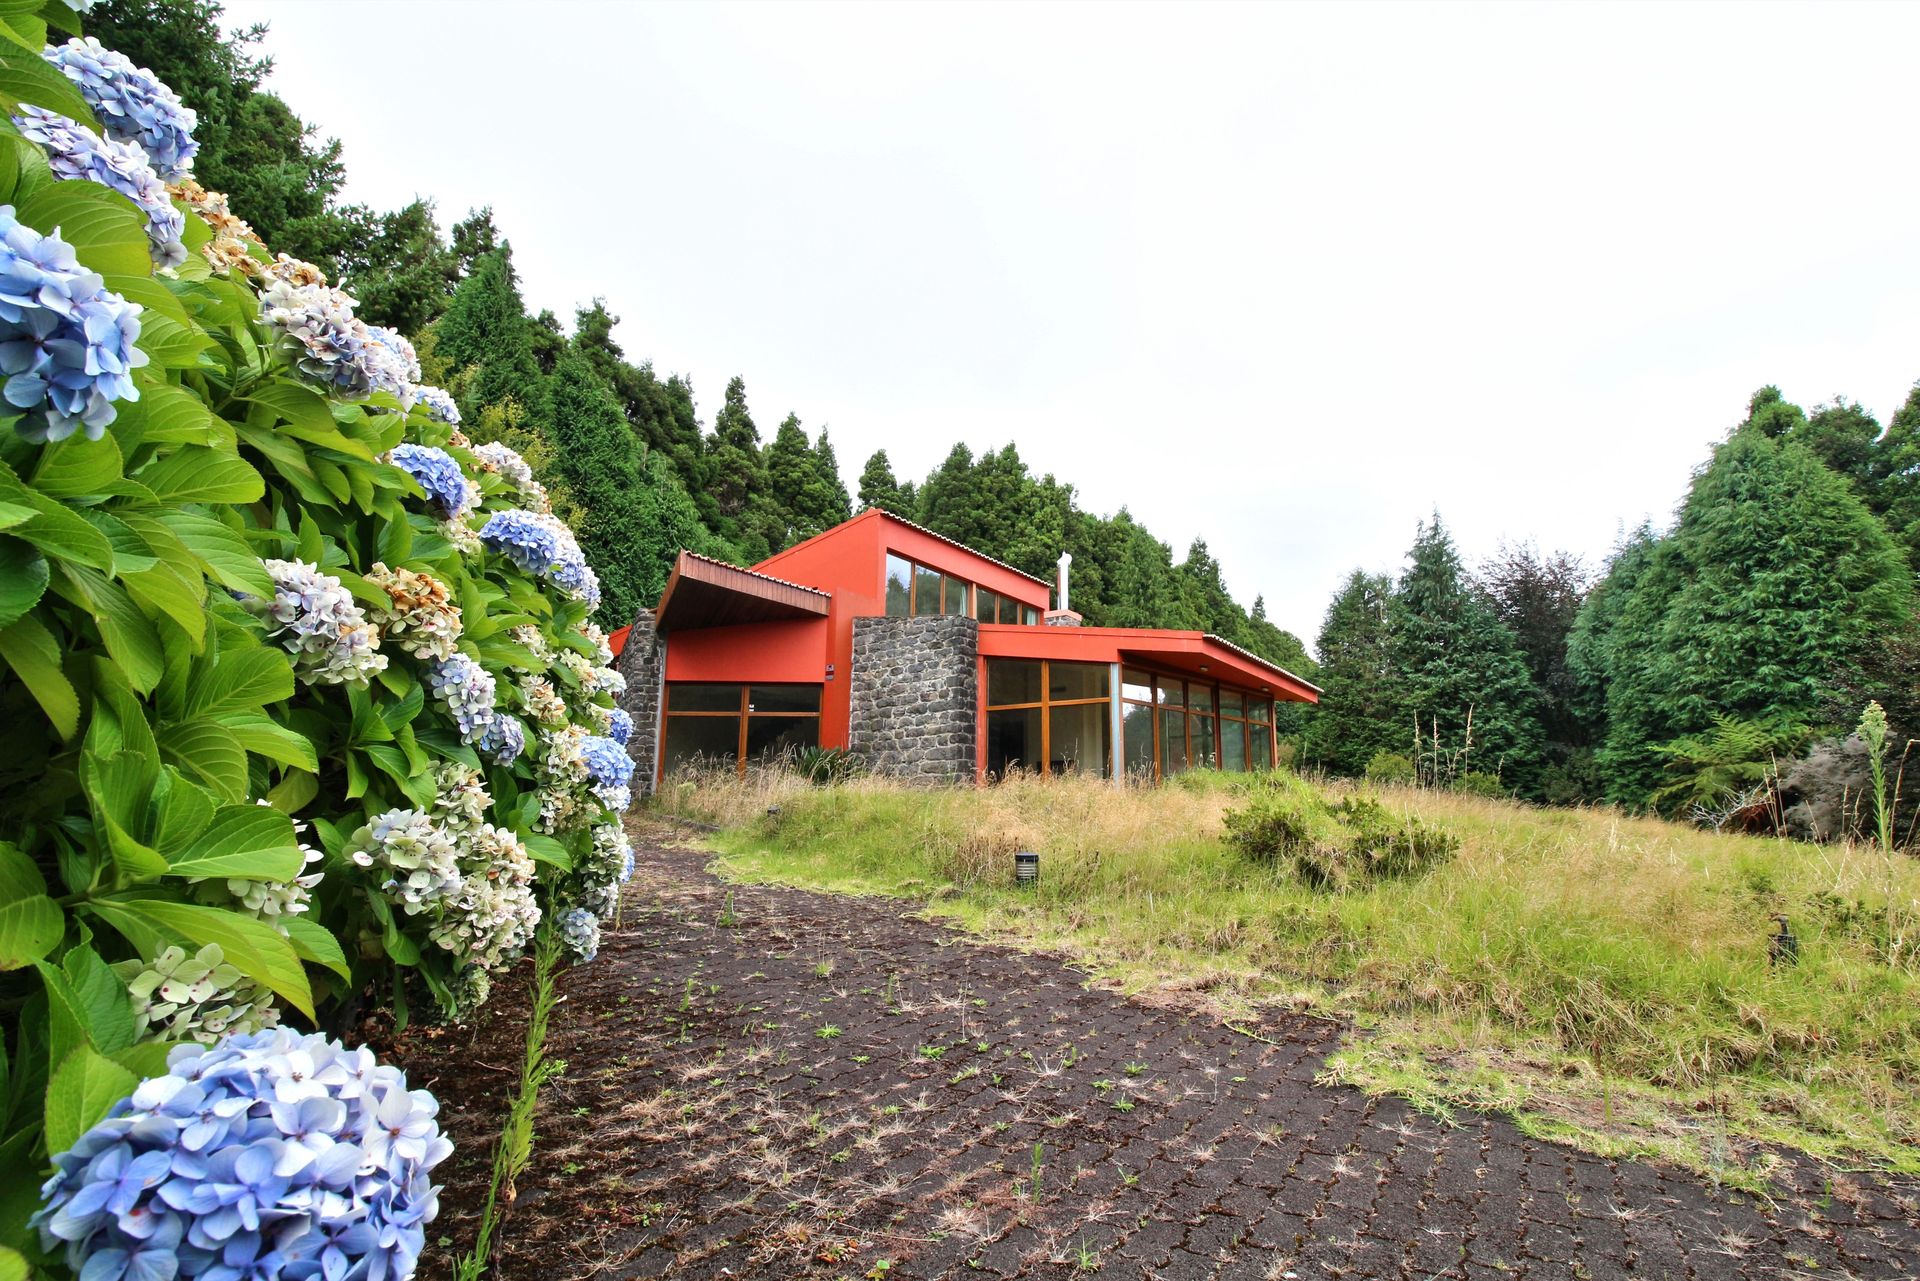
(725, 564)
(902, 520)
(1247, 653)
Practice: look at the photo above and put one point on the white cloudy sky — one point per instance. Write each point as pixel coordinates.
(1283, 277)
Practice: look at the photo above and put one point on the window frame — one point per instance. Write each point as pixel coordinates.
(1046, 703)
(1184, 707)
(743, 714)
(915, 568)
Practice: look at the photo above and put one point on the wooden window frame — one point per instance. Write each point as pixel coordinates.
(1045, 705)
(914, 569)
(1220, 719)
(743, 714)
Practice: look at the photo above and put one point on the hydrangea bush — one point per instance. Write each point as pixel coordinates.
(303, 701)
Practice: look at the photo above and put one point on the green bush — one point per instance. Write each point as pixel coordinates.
(1332, 845)
(1390, 767)
(1480, 783)
(824, 766)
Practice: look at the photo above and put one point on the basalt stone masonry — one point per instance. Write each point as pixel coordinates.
(644, 663)
(915, 696)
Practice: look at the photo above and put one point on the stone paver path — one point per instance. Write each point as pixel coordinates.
(770, 1083)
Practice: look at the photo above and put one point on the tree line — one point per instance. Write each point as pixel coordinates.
(623, 449)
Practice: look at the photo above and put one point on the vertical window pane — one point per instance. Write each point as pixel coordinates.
(1066, 681)
(1230, 704)
(701, 742)
(1136, 684)
(986, 606)
(926, 590)
(1199, 697)
(1257, 709)
(1079, 740)
(1233, 745)
(1200, 745)
(1173, 742)
(771, 737)
(1259, 747)
(1013, 680)
(1029, 615)
(1137, 727)
(1013, 741)
(899, 583)
(1172, 693)
(956, 594)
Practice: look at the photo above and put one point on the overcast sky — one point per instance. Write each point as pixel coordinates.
(1285, 278)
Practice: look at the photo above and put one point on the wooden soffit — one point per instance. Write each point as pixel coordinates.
(703, 592)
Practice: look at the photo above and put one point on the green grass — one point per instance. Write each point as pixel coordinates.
(1600, 977)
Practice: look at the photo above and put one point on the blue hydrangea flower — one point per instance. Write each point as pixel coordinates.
(580, 932)
(466, 690)
(75, 151)
(67, 345)
(131, 103)
(271, 1155)
(391, 364)
(607, 761)
(438, 403)
(542, 545)
(619, 726)
(503, 739)
(449, 494)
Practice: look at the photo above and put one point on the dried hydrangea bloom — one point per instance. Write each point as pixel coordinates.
(198, 997)
(492, 917)
(231, 248)
(542, 701)
(461, 799)
(531, 639)
(423, 619)
(317, 621)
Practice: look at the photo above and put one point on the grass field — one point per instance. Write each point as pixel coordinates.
(1602, 978)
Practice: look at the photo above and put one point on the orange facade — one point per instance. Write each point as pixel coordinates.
(849, 565)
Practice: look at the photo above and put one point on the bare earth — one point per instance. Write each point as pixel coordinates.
(706, 1126)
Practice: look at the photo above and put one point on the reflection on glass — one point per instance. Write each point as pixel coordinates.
(1078, 740)
(771, 737)
(1172, 692)
(784, 698)
(926, 590)
(700, 742)
(1012, 680)
(1173, 742)
(1233, 745)
(1029, 615)
(1230, 703)
(955, 601)
(986, 606)
(1257, 709)
(1068, 681)
(1136, 684)
(1137, 730)
(899, 584)
(1199, 697)
(1259, 747)
(1013, 741)
(1200, 745)
(703, 698)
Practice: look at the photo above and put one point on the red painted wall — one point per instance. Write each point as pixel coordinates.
(768, 653)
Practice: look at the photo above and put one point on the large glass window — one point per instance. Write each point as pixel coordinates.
(899, 586)
(1137, 726)
(986, 605)
(717, 726)
(1053, 717)
(1173, 724)
(915, 590)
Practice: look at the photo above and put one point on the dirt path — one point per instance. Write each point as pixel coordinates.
(770, 1083)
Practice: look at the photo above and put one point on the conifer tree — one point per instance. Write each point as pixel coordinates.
(803, 484)
(879, 488)
(596, 457)
(1360, 702)
(736, 474)
(486, 335)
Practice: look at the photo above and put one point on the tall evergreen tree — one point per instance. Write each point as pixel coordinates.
(803, 487)
(736, 474)
(486, 335)
(596, 457)
(1463, 680)
(1774, 578)
(403, 275)
(1360, 701)
(879, 488)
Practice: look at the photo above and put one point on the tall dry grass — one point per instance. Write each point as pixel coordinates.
(1606, 973)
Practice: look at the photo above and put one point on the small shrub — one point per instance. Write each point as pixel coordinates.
(824, 766)
(1390, 767)
(1332, 846)
(1479, 783)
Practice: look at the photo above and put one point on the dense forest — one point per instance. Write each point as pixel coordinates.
(1709, 667)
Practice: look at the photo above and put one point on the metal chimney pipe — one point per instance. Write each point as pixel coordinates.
(1066, 559)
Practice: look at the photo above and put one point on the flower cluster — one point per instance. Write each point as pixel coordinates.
(67, 345)
(503, 739)
(421, 861)
(602, 650)
(580, 932)
(131, 103)
(327, 342)
(231, 248)
(460, 797)
(314, 617)
(423, 619)
(465, 689)
(620, 726)
(450, 495)
(542, 545)
(75, 151)
(611, 769)
(566, 780)
(493, 914)
(438, 403)
(177, 997)
(542, 702)
(528, 637)
(391, 364)
(270, 901)
(506, 462)
(272, 1155)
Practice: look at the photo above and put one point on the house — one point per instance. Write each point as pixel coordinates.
(930, 661)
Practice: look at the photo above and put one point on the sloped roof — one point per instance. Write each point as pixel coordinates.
(704, 592)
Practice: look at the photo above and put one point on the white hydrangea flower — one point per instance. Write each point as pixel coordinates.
(421, 860)
(177, 997)
(316, 620)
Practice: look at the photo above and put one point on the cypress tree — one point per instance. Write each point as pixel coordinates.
(878, 488)
(1359, 711)
(595, 455)
(486, 334)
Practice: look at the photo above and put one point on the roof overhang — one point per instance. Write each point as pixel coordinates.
(702, 592)
(1192, 653)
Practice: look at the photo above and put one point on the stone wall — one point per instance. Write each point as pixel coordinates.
(644, 663)
(915, 695)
